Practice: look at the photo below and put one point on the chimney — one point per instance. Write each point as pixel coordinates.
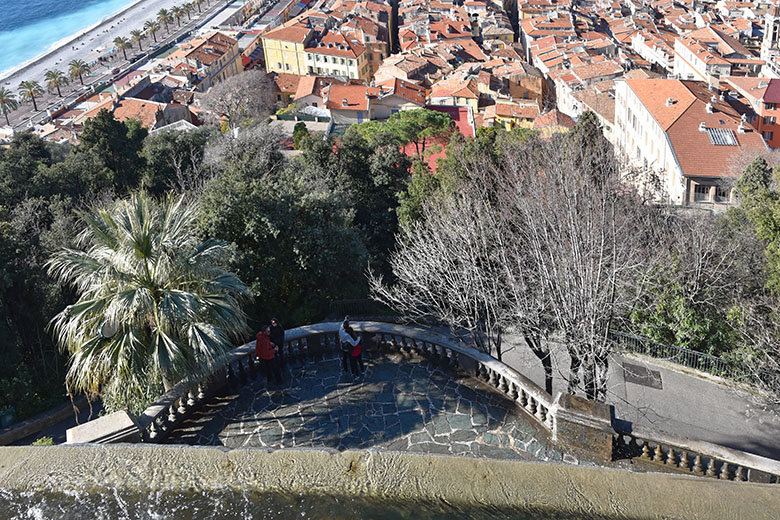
(709, 108)
(714, 99)
(702, 127)
(741, 128)
(669, 102)
(344, 103)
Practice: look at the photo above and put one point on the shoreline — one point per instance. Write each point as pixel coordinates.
(132, 15)
(8, 74)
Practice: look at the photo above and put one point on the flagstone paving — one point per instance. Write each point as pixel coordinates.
(404, 403)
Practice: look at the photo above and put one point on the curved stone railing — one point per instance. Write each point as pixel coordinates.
(698, 458)
(317, 341)
(584, 426)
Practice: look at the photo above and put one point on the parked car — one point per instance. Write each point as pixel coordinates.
(115, 70)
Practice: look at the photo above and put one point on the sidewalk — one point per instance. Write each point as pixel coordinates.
(660, 396)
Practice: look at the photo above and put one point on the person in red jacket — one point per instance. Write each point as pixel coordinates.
(266, 354)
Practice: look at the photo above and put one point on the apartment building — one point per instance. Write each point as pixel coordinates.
(685, 134)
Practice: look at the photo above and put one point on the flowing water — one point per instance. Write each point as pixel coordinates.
(186, 505)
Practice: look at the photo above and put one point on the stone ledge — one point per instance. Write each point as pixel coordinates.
(572, 491)
(39, 422)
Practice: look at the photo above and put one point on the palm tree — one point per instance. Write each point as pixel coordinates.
(28, 90)
(8, 103)
(78, 68)
(138, 35)
(163, 16)
(197, 4)
(122, 44)
(187, 8)
(152, 26)
(55, 79)
(153, 298)
(177, 12)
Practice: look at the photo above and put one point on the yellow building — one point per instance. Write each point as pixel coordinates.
(283, 49)
(515, 115)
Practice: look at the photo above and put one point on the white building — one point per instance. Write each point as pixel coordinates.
(686, 134)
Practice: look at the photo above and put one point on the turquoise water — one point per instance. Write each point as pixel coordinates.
(29, 27)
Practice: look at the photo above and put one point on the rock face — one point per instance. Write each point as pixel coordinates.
(486, 488)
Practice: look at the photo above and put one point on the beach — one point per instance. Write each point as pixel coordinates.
(95, 41)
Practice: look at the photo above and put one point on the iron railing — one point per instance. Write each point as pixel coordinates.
(717, 366)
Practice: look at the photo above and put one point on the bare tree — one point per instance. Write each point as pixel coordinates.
(590, 239)
(445, 269)
(245, 97)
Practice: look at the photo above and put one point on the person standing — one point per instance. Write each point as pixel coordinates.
(346, 344)
(266, 353)
(277, 339)
(356, 356)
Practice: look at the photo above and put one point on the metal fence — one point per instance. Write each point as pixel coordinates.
(722, 367)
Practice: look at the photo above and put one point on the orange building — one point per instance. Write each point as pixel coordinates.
(763, 95)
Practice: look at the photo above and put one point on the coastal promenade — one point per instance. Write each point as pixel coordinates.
(95, 42)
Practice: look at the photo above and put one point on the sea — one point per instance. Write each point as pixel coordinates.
(28, 28)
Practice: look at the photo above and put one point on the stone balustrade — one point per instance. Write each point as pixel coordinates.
(583, 426)
(698, 458)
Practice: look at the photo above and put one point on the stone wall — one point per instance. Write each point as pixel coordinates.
(568, 491)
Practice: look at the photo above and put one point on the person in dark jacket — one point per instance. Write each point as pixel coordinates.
(277, 338)
(266, 354)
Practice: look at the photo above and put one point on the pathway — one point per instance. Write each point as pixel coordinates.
(405, 403)
(664, 397)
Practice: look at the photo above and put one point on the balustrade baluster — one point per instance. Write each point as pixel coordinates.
(549, 420)
(697, 465)
(671, 460)
(153, 433)
(684, 461)
(513, 391)
(502, 385)
(190, 399)
(182, 408)
(252, 366)
(540, 411)
(485, 376)
(171, 414)
(711, 468)
(645, 451)
(658, 455)
(739, 475)
(531, 406)
(523, 398)
(724, 472)
(201, 393)
(493, 380)
(395, 343)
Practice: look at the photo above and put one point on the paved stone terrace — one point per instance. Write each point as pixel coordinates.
(405, 403)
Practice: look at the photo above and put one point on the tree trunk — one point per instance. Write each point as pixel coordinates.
(574, 373)
(167, 383)
(6, 118)
(543, 354)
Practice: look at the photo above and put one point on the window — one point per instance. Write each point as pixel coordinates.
(279, 65)
(316, 57)
(370, 57)
(278, 97)
(770, 106)
(768, 136)
(342, 61)
(701, 193)
(769, 120)
(351, 62)
(287, 66)
(721, 194)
